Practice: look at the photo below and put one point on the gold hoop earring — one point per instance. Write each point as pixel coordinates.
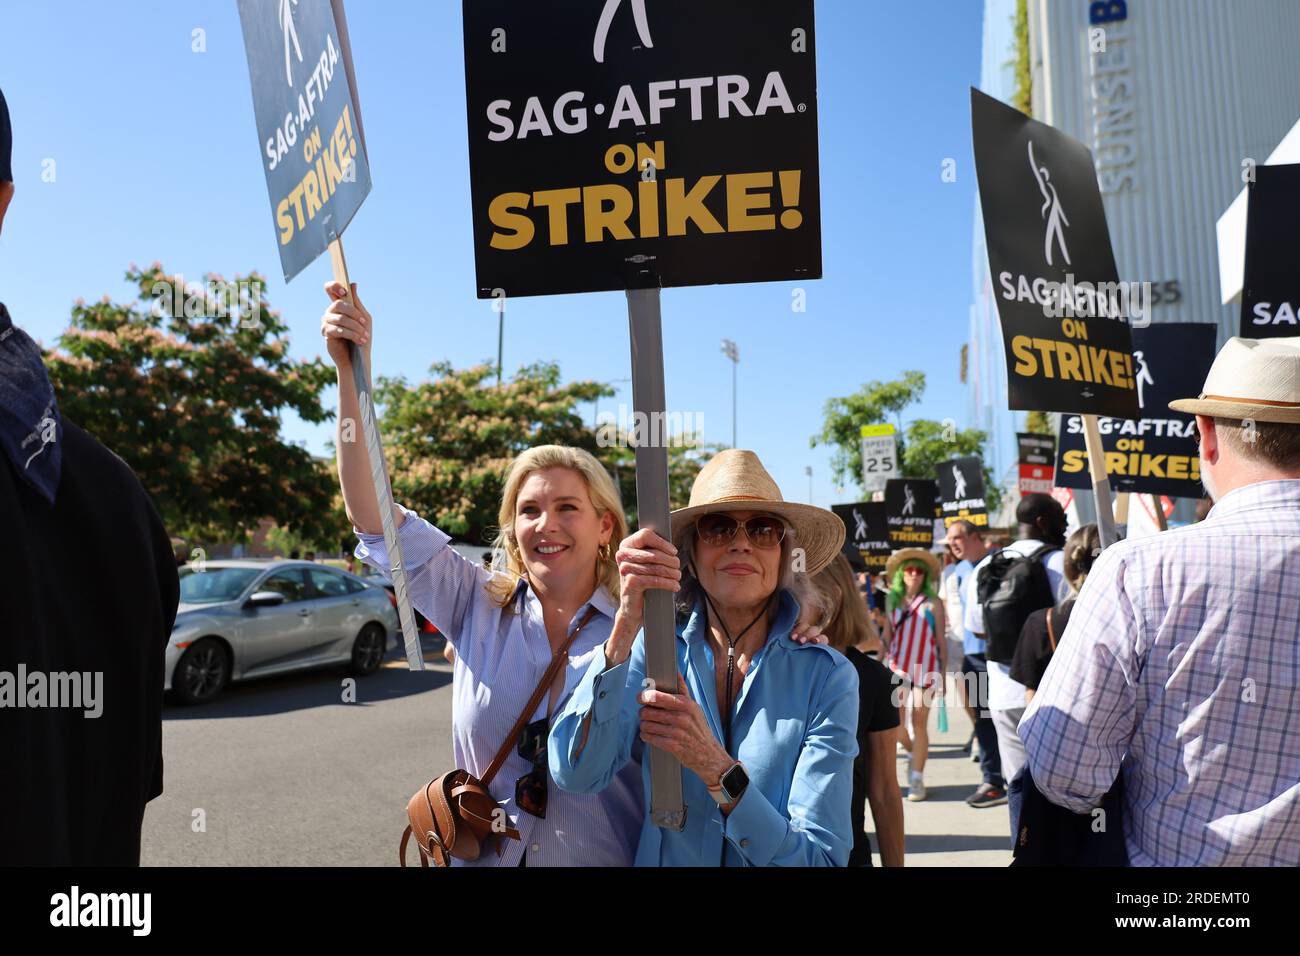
(605, 552)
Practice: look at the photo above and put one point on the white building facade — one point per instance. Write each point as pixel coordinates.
(1176, 99)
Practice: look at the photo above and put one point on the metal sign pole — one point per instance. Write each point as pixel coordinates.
(379, 476)
(666, 806)
(1100, 482)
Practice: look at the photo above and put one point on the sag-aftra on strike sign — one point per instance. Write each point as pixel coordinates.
(1064, 312)
(620, 144)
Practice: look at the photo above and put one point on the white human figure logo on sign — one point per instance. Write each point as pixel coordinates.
(909, 500)
(1143, 377)
(959, 491)
(860, 532)
(607, 18)
(1051, 210)
(290, 36)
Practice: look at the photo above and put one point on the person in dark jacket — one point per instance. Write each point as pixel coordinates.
(91, 596)
(1043, 629)
(849, 630)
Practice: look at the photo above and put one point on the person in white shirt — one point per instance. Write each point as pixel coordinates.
(1042, 521)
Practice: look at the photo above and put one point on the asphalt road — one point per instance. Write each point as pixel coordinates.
(286, 773)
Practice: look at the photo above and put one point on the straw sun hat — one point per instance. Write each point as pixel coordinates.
(913, 554)
(735, 480)
(1251, 378)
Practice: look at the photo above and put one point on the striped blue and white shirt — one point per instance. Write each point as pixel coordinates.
(1182, 660)
(501, 655)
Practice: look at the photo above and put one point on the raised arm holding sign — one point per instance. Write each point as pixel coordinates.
(317, 175)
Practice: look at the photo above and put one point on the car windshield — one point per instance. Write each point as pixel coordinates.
(213, 585)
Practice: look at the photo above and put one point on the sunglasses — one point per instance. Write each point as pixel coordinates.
(530, 789)
(764, 531)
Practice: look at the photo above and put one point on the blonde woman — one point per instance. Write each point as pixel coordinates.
(560, 517)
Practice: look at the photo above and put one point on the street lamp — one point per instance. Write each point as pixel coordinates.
(731, 351)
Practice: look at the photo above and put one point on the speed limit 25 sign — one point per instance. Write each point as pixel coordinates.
(879, 456)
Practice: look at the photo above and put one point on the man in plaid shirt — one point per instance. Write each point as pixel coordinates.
(1180, 667)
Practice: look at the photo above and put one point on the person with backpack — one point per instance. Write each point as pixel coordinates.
(1043, 629)
(1025, 576)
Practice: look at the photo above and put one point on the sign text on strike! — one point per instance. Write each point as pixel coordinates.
(657, 207)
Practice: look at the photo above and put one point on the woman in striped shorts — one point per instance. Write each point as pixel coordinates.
(916, 651)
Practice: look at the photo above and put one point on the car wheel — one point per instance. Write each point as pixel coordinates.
(202, 672)
(368, 650)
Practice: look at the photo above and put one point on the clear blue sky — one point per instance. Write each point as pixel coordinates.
(157, 159)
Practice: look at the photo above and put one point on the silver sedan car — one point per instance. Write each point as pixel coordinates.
(243, 619)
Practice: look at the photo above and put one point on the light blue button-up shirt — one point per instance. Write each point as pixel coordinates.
(501, 656)
(794, 729)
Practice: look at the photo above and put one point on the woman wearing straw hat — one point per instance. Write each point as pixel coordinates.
(765, 727)
(917, 651)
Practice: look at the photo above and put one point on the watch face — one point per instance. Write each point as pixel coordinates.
(735, 780)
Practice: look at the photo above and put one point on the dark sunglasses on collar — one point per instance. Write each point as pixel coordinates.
(530, 789)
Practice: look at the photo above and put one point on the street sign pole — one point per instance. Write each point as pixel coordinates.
(379, 475)
(648, 402)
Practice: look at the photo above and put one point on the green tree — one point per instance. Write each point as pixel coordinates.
(1023, 98)
(687, 454)
(450, 439)
(922, 444)
(1039, 423)
(188, 390)
(873, 403)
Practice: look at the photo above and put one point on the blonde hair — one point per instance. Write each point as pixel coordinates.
(844, 619)
(507, 563)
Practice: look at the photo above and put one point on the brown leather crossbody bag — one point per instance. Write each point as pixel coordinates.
(455, 815)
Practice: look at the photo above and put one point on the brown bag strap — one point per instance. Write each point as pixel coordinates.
(560, 656)
(1051, 634)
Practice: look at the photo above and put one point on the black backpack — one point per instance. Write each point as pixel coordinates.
(1010, 588)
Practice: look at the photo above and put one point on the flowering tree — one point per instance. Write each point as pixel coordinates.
(187, 386)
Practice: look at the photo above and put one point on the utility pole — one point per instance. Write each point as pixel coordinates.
(731, 351)
(807, 470)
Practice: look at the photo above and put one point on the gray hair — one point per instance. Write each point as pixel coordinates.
(797, 582)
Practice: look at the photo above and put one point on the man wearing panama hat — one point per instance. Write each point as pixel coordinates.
(765, 727)
(1180, 669)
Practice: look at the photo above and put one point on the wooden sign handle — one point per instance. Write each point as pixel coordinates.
(379, 476)
(1100, 482)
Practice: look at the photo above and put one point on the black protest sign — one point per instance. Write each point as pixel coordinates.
(961, 491)
(308, 122)
(1270, 295)
(1037, 463)
(867, 530)
(623, 145)
(1064, 311)
(909, 512)
(1157, 453)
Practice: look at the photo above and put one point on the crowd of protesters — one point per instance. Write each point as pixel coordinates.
(1161, 674)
